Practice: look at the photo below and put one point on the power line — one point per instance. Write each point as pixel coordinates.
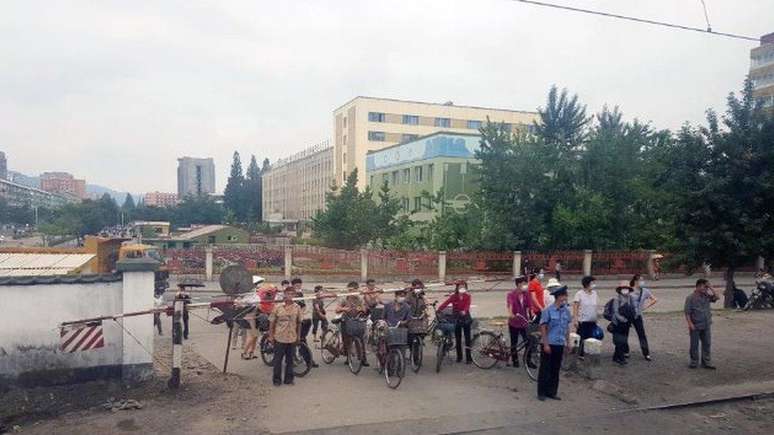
(708, 30)
(706, 15)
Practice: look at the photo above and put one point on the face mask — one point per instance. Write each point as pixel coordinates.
(524, 287)
(642, 282)
(400, 299)
(624, 292)
(417, 290)
(593, 286)
(463, 290)
(541, 276)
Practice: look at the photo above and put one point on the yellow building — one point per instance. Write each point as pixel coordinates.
(762, 71)
(366, 124)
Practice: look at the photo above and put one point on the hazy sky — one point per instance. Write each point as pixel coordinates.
(115, 91)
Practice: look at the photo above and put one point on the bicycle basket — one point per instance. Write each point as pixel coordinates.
(446, 326)
(397, 337)
(417, 326)
(354, 327)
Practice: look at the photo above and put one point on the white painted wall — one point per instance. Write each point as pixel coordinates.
(29, 337)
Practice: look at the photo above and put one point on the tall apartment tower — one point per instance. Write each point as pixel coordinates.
(3, 167)
(762, 71)
(195, 176)
(366, 124)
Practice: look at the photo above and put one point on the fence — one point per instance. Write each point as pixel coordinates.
(406, 263)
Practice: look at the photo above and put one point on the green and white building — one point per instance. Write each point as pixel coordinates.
(439, 161)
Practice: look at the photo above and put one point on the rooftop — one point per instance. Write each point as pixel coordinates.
(198, 232)
(41, 264)
(446, 104)
(58, 279)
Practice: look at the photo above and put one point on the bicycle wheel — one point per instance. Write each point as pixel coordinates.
(532, 360)
(355, 355)
(484, 349)
(267, 350)
(417, 353)
(329, 345)
(394, 368)
(302, 360)
(440, 354)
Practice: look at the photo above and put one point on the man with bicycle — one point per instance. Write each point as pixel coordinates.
(397, 311)
(351, 307)
(285, 332)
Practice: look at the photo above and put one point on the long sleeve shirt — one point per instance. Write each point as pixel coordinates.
(460, 303)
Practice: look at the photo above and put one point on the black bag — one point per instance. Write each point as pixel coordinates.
(610, 327)
(608, 312)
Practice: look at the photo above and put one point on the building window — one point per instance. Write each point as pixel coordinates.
(443, 122)
(394, 178)
(474, 125)
(408, 137)
(344, 139)
(411, 119)
(418, 174)
(386, 179)
(344, 159)
(417, 203)
(376, 116)
(404, 204)
(345, 122)
(376, 136)
(407, 176)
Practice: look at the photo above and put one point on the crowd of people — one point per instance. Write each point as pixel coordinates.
(287, 317)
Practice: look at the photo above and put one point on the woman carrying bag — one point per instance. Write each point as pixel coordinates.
(623, 316)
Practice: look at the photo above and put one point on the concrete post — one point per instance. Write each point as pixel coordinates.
(177, 344)
(288, 262)
(516, 263)
(137, 295)
(442, 265)
(208, 262)
(652, 263)
(363, 264)
(587, 262)
(760, 264)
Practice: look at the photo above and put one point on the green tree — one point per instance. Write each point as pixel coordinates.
(234, 194)
(724, 188)
(253, 194)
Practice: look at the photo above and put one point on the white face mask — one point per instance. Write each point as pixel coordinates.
(417, 290)
(624, 291)
(541, 276)
(593, 286)
(401, 299)
(641, 282)
(463, 290)
(524, 287)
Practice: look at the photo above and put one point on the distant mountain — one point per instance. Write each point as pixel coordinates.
(92, 190)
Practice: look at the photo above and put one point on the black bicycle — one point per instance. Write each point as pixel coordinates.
(441, 334)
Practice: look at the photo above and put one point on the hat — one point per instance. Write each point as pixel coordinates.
(558, 290)
(190, 282)
(553, 282)
(258, 279)
(622, 285)
(520, 279)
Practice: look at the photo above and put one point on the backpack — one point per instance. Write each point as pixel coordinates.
(609, 311)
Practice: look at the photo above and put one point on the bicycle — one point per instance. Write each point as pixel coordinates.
(302, 355)
(332, 345)
(442, 330)
(489, 348)
(416, 341)
(389, 353)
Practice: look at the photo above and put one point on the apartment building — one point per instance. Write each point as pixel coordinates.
(160, 199)
(195, 176)
(366, 124)
(439, 162)
(762, 71)
(63, 183)
(3, 166)
(19, 195)
(293, 189)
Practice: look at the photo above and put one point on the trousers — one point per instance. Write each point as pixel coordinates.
(639, 327)
(283, 352)
(703, 336)
(548, 374)
(463, 326)
(515, 333)
(621, 341)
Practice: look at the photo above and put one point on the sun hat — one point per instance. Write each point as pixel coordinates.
(553, 282)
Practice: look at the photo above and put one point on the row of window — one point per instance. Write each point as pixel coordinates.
(417, 174)
(414, 120)
(766, 101)
(763, 80)
(762, 59)
(419, 204)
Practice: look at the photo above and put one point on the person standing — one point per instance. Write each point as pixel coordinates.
(371, 297)
(555, 331)
(584, 311)
(698, 315)
(158, 303)
(519, 305)
(642, 299)
(536, 294)
(415, 297)
(460, 302)
(183, 295)
(558, 270)
(351, 307)
(319, 317)
(623, 315)
(306, 317)
(285, 331)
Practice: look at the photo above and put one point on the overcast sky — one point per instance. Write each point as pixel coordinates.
(115, 91)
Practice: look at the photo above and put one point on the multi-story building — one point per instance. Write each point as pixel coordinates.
(762, 71)
(160, 199)
(438, 162)
(19, 195)
(195, 177)
(63, 183)
(3, 166)
(370, 124)
(293, 189)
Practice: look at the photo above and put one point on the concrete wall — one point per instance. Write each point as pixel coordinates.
(30, 351)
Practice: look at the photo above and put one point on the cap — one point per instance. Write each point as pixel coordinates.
(558, 291)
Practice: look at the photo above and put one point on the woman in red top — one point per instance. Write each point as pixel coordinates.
(460, 302)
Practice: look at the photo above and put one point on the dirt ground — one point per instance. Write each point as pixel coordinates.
(460, 399)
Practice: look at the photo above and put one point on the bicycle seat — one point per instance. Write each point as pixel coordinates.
(497, 323)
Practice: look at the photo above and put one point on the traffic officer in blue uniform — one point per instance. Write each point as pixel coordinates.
(555, 330)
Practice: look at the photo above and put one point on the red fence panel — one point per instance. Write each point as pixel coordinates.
(185, 261)
(479, 262)
(402, 263)
(315, 259)
(619, 262)
(255, 258)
